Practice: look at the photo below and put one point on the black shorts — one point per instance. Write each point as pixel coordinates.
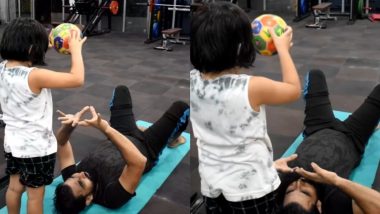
(219, 205)
(34, 172)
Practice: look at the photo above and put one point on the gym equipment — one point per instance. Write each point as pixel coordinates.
(59, 37)
(262, 39)
(93, 11)
(159, 17)
(317, 11)
(149, 183)
(173, 33)
(351, 13)
(302, 9)
(374, 17)
(114, 7)
(363, 11)
(366, 171)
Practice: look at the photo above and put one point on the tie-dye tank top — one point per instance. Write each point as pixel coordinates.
(28, 116)
(235, 152)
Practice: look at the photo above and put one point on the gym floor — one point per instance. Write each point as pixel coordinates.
(155, 78)
(349, 55)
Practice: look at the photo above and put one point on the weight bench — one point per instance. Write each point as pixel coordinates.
(317, 13)
(170, 33)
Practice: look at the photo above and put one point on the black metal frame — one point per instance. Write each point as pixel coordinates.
(93, 12)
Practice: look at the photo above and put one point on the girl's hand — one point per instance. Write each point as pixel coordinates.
(75, 41)
(284, 41)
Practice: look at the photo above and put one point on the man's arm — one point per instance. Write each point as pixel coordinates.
(68, 124)
(136, 161)
(65, 151)
(367, 199)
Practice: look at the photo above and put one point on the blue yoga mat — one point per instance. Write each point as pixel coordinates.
(149, 183)
(365, 173)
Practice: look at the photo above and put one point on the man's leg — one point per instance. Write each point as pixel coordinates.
(364, 120)
(318, 111)
(169, 127)
(122, 117)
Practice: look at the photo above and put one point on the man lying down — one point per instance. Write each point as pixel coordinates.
(315, 179)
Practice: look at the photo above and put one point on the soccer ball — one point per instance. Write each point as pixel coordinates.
(59, 37)
(261, 37)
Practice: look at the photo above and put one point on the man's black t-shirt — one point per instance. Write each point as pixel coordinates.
(105, 166)
(333, 151)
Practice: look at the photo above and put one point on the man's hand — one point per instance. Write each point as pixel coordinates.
(70, 119)
(281, 164)
(68, 123)
(366, 200)
(319, 175)
(96, 121)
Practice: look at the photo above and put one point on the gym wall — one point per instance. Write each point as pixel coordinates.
(7, 10)
(271, 5)
(279, 5)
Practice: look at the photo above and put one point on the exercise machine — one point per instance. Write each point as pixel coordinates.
(93, 10)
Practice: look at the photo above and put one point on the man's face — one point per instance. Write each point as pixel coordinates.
(302, 193)
(80, 184)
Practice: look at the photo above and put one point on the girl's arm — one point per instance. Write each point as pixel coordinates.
(43, 78)
(266, 91)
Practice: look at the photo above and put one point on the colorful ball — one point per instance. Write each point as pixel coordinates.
(261, 37)
(59, 37)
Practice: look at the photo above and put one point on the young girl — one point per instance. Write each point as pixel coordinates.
(29, 143)
(227, 110)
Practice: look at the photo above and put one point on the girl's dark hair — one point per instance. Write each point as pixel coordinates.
(24, 39)
(66, 203)
(221, 38)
